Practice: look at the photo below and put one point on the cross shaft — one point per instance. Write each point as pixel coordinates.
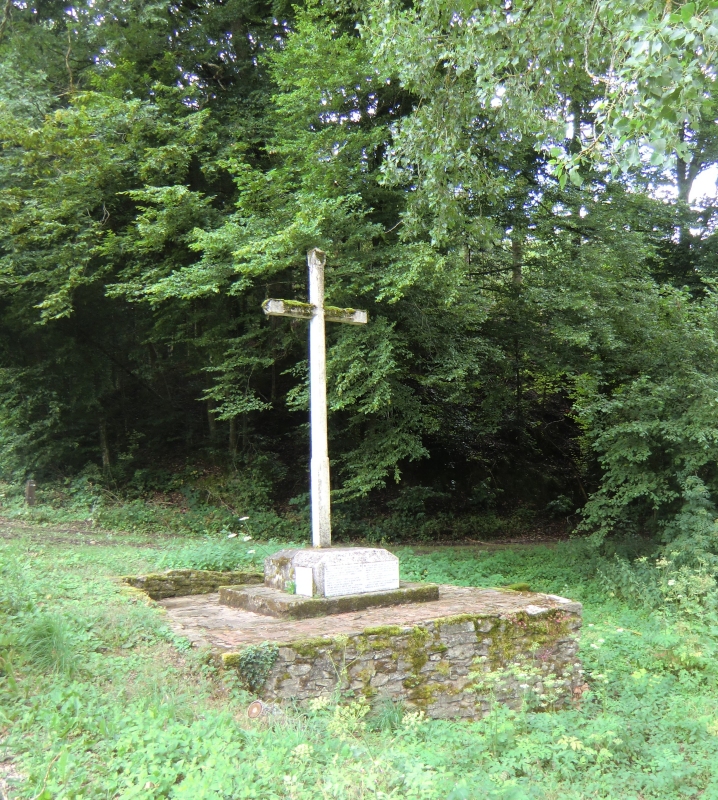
(316, 313)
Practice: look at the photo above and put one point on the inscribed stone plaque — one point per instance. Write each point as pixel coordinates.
(345, 570)
(304, 581)
(359, 578)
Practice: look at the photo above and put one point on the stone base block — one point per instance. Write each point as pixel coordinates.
(333, 571)
(275, 603)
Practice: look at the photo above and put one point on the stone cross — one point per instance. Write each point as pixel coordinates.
(316, 312)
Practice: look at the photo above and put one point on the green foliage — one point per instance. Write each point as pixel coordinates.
(389, 715)
(182, 508)
(255, 663)
(655, 438)
(542, 334)
(567, 567)
(642, 85)
(221, 555)
(48, 643)
(537, 691)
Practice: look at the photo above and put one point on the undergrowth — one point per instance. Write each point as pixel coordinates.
(195, 505)
(182, 507)
(99, 700)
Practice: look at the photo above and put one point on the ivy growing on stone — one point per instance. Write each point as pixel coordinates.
(254, 664)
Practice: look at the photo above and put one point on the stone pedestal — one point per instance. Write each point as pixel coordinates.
(450, 651)
(455, 656)
(333, 571)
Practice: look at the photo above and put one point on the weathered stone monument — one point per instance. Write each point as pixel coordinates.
(323, 618)
(368, 574)
(316, 313)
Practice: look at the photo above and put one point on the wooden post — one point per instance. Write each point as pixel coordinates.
(30, 487)
(320, 489)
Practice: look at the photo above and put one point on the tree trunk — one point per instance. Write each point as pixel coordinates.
(211, 419)
(517, 259)
(233, 437)
(683, 185)
(682, 180)
(153, 354)
(574, 146)
(519, 387)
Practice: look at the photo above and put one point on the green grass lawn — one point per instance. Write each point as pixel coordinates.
(99, 700)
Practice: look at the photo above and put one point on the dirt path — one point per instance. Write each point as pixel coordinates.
(77, 533)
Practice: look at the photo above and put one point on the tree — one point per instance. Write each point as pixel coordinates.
(485, 181)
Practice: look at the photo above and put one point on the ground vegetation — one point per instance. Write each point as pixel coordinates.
(98, 699)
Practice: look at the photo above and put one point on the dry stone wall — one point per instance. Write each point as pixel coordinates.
(450, 667)
(182, 582)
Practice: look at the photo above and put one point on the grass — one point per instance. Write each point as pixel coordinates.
(99, 700)
(48, 642)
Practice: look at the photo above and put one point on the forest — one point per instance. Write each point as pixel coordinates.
(506, 190)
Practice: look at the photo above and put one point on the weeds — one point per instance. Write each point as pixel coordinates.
(220, 554)
(48, 643)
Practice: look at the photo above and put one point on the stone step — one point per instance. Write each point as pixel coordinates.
(276, 603)
(183, 582)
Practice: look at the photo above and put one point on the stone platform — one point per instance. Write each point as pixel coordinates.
(275, 603)
(448, 657)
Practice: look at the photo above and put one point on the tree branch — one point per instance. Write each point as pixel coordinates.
(7, 8)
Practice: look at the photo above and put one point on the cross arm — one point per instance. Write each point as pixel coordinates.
(297, 310)
(288, 308)
(351, 316)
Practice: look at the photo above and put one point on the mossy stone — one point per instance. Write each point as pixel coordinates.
(383, 630)
(183, 582)
(310, 648)
(418, 656)
(276, 603)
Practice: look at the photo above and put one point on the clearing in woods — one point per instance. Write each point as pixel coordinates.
(99, 700)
